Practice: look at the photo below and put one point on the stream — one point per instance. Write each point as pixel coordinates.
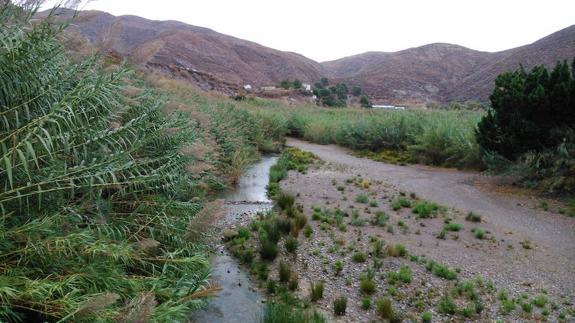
(238, 301)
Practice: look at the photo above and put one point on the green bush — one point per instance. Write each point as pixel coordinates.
(285, 201)
(366, 284)
(426, 317)
(478, 233)
(440, 270)
(403, 276)
(396, 250)
(362, 198)
(365, 303)
(291, 244)
(425, 209)
(282, 313)
(268, 250)
(340, 305)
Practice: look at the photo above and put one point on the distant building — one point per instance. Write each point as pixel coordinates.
(247, 87)
(268, 88)
(384, 106)
(306, 87)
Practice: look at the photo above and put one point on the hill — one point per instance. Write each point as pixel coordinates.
(214, 61)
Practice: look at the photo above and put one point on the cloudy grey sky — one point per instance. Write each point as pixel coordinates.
(329, 29)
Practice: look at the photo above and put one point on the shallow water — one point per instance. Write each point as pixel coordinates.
(238, 301)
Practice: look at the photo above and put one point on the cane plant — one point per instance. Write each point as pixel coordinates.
(95, 204)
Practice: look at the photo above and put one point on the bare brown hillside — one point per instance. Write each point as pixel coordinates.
(434, 72)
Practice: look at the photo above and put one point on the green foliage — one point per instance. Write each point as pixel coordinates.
(366, 303)
(316, 291)
(384, 309)
(356, 90)
(268, 249)
(396, 250)
(285, 201)
(98, 222)
(291, 244)
(452, 227)
(440, 270)
(338, 267)
(281, 313)
(530, 111)
(284, 272)
(359, 257)
(364, 102)
(340, 305)
(425, 209)
(366, 283)
(401, 276)
(446, 305)
(426, 317)
(362, 198)
(478, 233)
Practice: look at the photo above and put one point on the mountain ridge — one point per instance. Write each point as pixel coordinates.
(437, 72)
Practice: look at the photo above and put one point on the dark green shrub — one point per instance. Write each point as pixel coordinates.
(425, 209)
(403, 276)
(380, 218)
(293, 281)
(426, 317)
(268, 250)
(340, 305)
(366, 284)
(478, 233)
(338, 267)
(307, 231)
(366, 303)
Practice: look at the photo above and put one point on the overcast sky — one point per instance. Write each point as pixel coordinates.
(325, 30)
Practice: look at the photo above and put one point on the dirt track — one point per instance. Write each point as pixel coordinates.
(511, 219)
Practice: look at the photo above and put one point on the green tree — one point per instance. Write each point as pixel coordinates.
(356, 90)
(530, 111)
(285, 84)
(297, 84)
(364, 102)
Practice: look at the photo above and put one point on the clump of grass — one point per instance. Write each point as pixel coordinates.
(425, 209)
(473, 217)
(540, 301)
(373, 203)
(293, 281)
(268, 250)
(396, 250)
(380, 218)
(478, 233)
(526, 244)
(366, 303)
(446, 305)
(316, 291)
(366, 283)
(307, 231)
(340, 305)
(452, 227)
(507, 306)
(356, 221)
(285, 201)
(377, 248)
(571, 208)
(384, 309)
(359, 257)
(402, 276)
(284, 272)
(440, 270)
(285, 313)
(338, 267)
(291, 244)
(526, 307)
(362, 198)
(341, 188)
(426, 317)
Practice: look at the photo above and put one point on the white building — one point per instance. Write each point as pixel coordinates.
(384, 106)
(306, 87)
(247, 87)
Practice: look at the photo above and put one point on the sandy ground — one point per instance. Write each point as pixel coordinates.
(509, 220)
